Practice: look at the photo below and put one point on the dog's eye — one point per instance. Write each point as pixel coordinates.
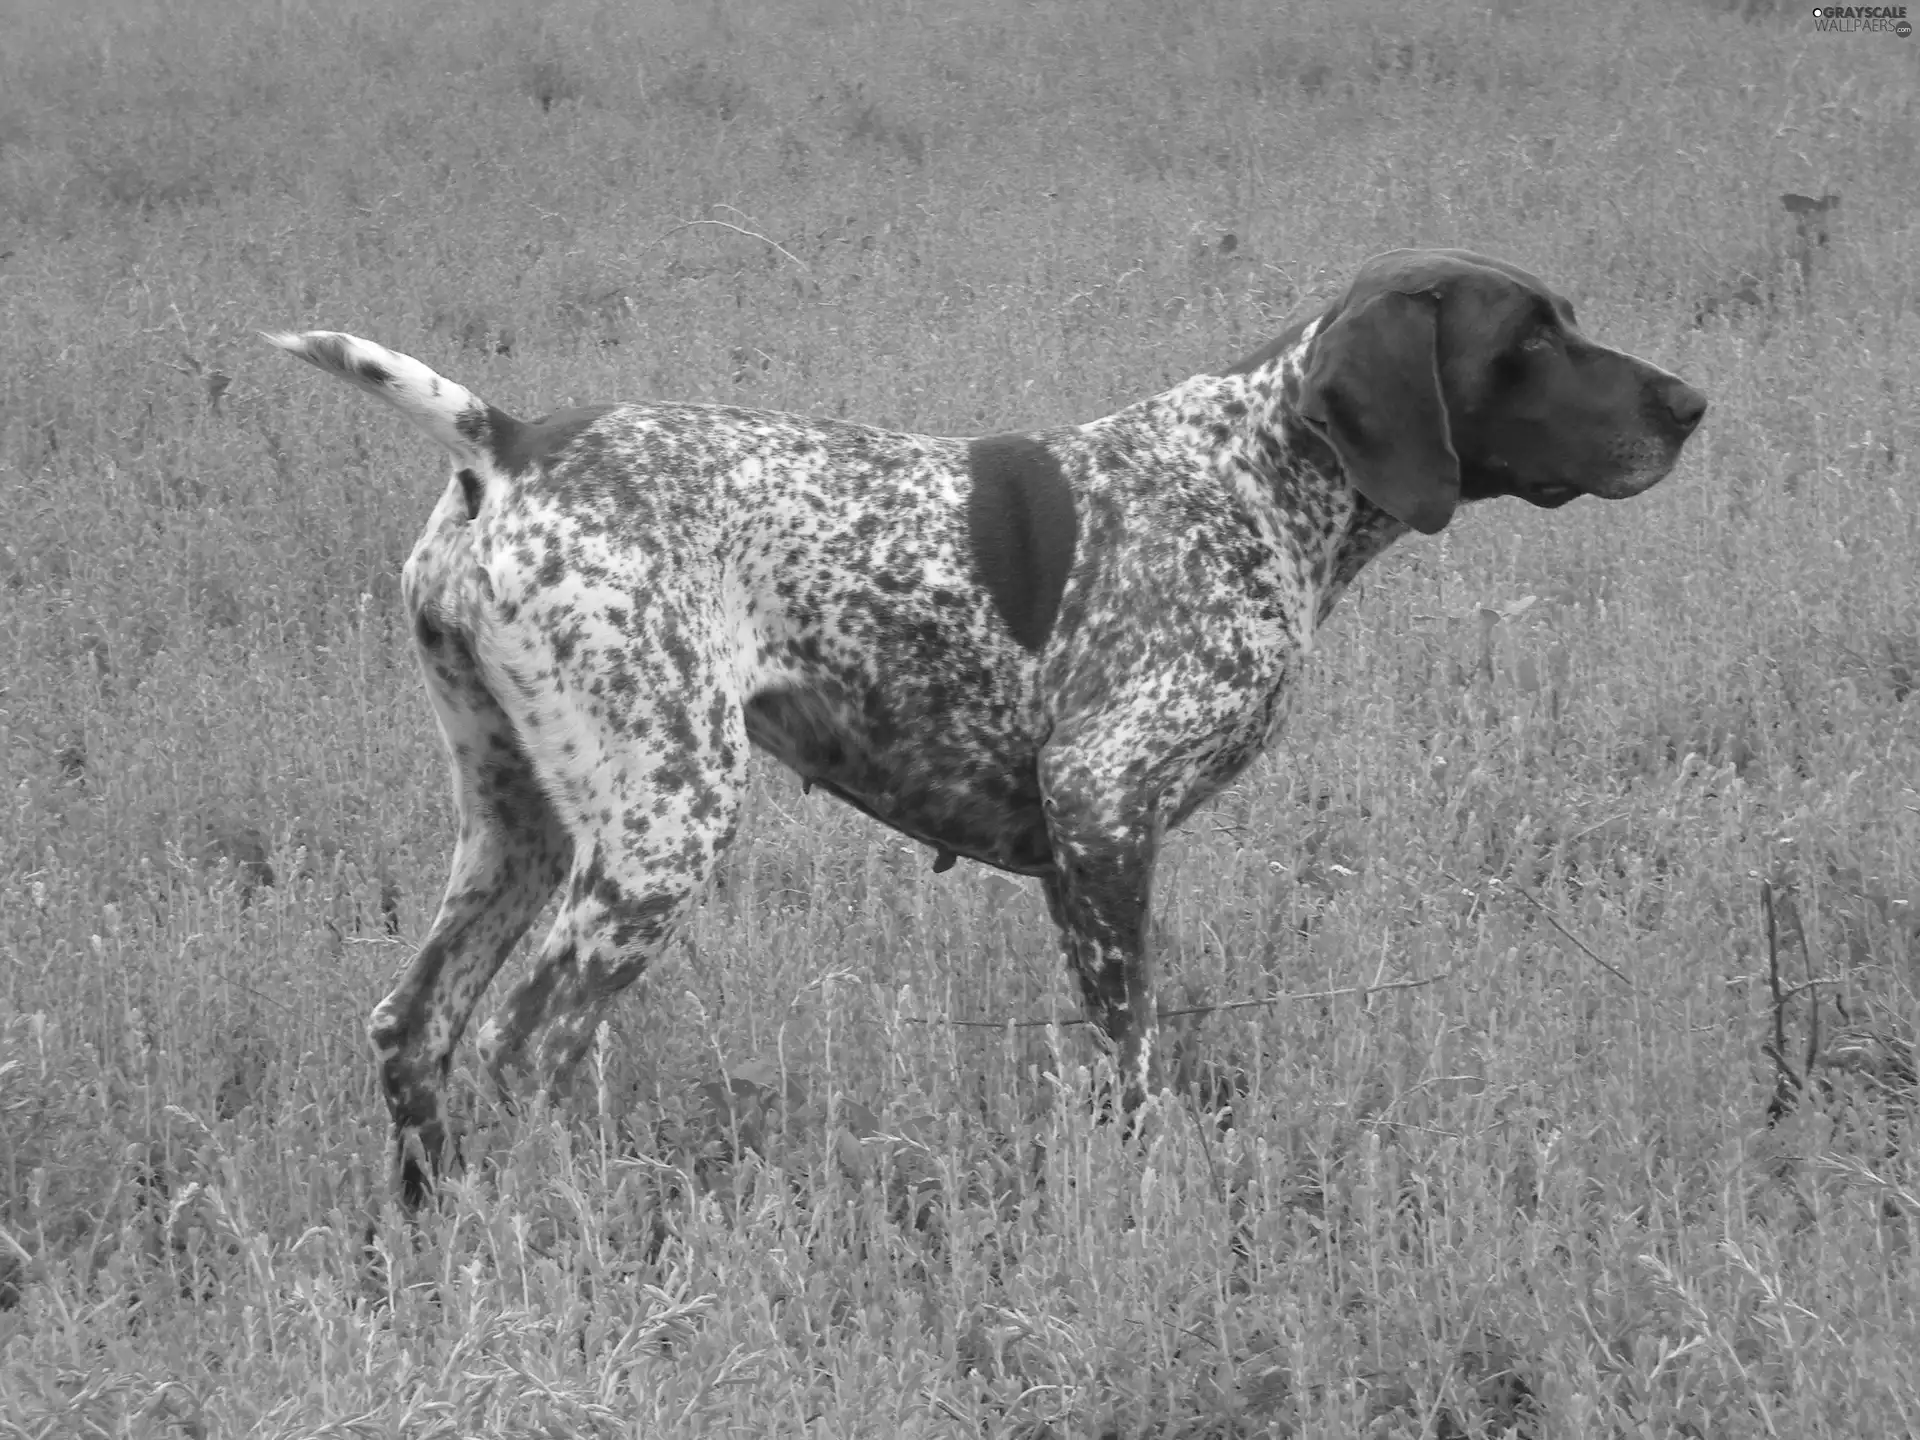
(1515, 363)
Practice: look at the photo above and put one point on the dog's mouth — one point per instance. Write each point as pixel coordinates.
(1552, 497)
(1636, 481)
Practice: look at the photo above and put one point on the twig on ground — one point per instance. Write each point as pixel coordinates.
(1585, 949)
(668, 234)
(1789, 1083)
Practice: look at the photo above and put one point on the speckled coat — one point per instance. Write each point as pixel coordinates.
(1039, 652)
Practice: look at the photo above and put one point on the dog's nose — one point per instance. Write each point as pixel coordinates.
(1683, 402)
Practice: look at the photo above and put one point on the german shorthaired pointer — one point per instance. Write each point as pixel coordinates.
(1040, 651)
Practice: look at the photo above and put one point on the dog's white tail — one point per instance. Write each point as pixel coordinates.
(460, 420)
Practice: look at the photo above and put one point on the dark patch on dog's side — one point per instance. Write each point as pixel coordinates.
(1021, 521)
(801, 728)
(470, 492)
(996, 821)
(374, 373)
(522, 445)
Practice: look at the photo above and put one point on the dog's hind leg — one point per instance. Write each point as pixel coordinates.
(651, 801)
(511, 852)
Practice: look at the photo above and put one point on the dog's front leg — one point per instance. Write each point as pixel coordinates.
(1106, 835)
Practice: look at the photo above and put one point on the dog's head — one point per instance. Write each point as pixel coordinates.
(1442, 376)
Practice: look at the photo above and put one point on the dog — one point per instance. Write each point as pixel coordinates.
(1039, 650)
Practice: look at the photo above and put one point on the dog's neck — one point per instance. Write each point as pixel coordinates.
(1293, 485)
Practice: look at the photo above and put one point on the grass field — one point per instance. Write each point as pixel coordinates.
(1500, 1157)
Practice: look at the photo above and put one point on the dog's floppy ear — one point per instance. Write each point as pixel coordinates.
(1372, 388)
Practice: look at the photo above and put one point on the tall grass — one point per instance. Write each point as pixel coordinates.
(1499, 1152)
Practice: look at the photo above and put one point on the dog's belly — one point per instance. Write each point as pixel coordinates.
(953, 782)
